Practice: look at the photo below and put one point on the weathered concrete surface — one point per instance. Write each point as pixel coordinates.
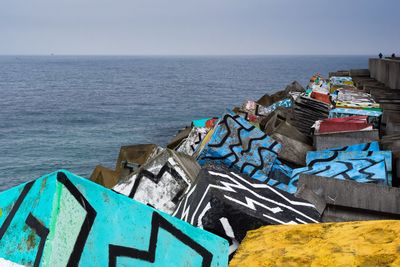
(325, 141)
(386, 71)
(371, 243)
(62, 219)
(292, 150)
(359, 73)
(350, 201)
(105, 176)
(179, 137)
(133, 156)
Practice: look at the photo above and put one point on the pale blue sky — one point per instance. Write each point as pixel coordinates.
(181, 27)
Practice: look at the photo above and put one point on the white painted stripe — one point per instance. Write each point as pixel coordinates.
(7, 263)
(229, 232)
(259, 196)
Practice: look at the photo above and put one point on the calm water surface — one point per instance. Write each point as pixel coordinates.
(74, 112)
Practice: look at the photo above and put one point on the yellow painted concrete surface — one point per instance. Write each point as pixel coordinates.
(367, 243)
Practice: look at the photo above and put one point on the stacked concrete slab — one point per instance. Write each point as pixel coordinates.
(346, 200)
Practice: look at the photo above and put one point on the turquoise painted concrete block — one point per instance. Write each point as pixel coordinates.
(62, 219)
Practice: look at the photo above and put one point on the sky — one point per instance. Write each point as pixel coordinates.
(201, 27)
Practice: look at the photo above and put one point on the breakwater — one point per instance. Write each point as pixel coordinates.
(327, 152)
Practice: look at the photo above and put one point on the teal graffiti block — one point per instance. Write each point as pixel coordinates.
(62, 219)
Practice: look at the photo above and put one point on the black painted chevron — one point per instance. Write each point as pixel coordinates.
(149, 255)
(42, 231)
(90, 217)
(166, 168)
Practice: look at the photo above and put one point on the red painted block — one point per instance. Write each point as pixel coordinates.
(347, 124)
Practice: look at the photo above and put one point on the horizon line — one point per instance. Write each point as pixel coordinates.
(183, 55)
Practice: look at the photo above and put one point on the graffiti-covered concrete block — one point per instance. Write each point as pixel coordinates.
(162, 181)
(364, 170)
(372, 243)
(324, 157)
(237, 144)
(62, 219)
(229, 204)
(190, 144)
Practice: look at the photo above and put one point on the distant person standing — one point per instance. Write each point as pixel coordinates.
(380, 55)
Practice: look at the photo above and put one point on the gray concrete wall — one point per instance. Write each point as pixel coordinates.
(386, 71)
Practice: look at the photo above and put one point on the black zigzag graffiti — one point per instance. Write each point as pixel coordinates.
(157, 222)
(196, 142)
(166, 168)
(345, 148)
(349, 166)
(42, 232)
(80, 242)
(329, 159)
(309, 171)
(224, 122)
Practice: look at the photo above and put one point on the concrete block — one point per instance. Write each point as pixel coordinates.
(359, 72)
(306, 111)
(105, 176)
(292, 150)
(330, 140)
(179, 137)
(237, 144)
(350, 201)
(190, 144)
(369, 170)
(131, 157)
(229, 204)
(62, 219)
(162, 181)
(372, 243)
(386, 71)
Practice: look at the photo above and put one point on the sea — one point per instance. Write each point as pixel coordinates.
(74, 112)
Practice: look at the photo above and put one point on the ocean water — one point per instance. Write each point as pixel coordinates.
(75, 112)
